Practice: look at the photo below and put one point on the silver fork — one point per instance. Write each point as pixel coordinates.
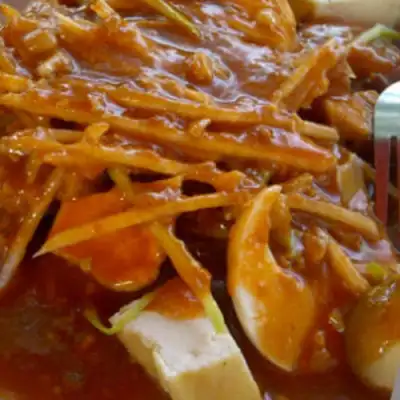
(386, 128)
(396, 390)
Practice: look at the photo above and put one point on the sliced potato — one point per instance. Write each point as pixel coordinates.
(275, 306)
(373, 336)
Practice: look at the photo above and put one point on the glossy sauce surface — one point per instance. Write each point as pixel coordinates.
(252, 267)
(47, 349)
(109, 258)
(174, 300)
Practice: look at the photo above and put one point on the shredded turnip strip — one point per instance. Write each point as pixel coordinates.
(6, 63)
(192, 273)
(125, 316)
(128, 97)
(14, 83)
(190, 270)
(33, 165)
(332, 212)
(299, 76)
(344, 268)
(319, 132)
(123, 182)
(173, 14)
(131, 98)
(138, 216)
(137, 158)
(299, 183)
(17, 251)
(306, 156)
(9, 12)
(127, 32)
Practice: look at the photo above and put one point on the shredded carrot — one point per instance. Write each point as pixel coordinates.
(28, 227)
(136, 217)
(305, 155)
(190, 270)
(273, 25)
(128, 35)
(13, 83)
(173, 14)
(332, 212)
(345, 269)
(7, 64)
(319, 132)
(134, 157)
(72, 26)
(298, 184)
(123, 182)
(268, 114)
(192, 273)
(32, 167)
(9, 12)
(309, 80)
(90, 169)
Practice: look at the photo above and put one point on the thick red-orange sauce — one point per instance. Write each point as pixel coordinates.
(49, 351)
(175, 300)
(114, 249)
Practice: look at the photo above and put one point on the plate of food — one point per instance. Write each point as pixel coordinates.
(187, 201)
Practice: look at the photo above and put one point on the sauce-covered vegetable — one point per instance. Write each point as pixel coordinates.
(182, 153)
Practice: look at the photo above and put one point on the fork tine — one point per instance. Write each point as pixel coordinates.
(382, 160)
(386, 126)
(398, 186)
(396, 390)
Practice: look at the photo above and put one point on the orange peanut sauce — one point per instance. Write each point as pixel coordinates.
(175, 300)
(47, 349)
(127, 259)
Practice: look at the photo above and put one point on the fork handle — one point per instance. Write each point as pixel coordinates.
(367, 12)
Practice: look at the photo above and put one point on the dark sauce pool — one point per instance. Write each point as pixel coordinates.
(49, 351)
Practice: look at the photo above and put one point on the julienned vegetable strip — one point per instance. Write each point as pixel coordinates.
(306, 155)
(28, 227)
(138, 216)
(268, 114)
(214, 313)
(173, 14)
(191, 272)
(126, 315)
(355, 220)
(344, 267)
(123, 182)
(100, 154)
(377, 271)
(379, 31)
